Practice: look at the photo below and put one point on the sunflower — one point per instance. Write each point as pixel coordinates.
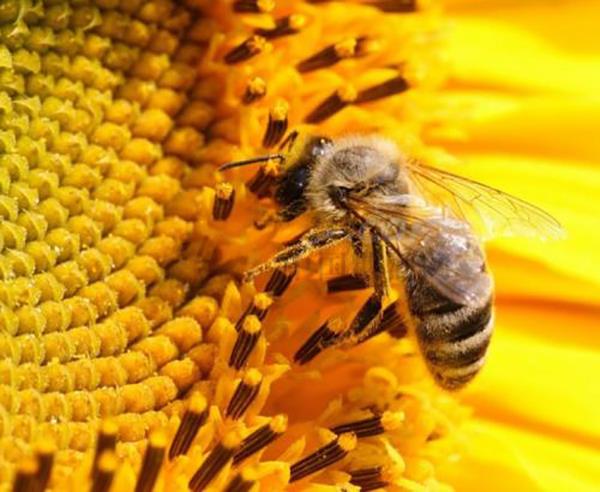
(132, 355)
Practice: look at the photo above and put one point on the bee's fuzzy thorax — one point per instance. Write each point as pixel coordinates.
(350, 161)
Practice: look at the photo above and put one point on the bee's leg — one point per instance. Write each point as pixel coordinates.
(381, 274)
(292, 210)
(370, 319)
(330, 333)
(268, 217)
(357, 245)
(391, 319)
(372, 307)
(313, 240)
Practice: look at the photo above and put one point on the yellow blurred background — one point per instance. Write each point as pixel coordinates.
(524, 82)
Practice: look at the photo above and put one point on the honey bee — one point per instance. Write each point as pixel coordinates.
(425, 224)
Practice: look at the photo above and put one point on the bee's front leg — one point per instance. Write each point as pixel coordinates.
(269, 217)
(313, 240)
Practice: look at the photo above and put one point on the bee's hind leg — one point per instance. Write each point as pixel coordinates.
(369, 316)
(312, 240)
(372, 308)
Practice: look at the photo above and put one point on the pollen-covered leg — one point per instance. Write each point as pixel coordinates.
(372, 307)
(267, 218)
(390, 321)
(313, 240)
(330, 334)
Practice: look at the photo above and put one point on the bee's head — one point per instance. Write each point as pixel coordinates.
(295, 167)
(296, 171)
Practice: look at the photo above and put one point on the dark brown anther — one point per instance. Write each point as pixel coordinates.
(261, 438)
(194, 418)
(246, 341)
(395, 6)
(368, 478)
(239, 484)
(249, 48)
(105, 473)
(362, 428)
(333, 104)
(327, 335)
(255, 90)
(345, 283)
(224, 200)
(263, 181)
(280, 281)
(244, 394)
(284, 26)
(45, 460)
(278, 123)
(259, 307)
(365, 316)
(254, 6)
(214, 463)
(371, 426)
(107, 439)
(385, 89)
(348, 48)
(26, 477)
(323, 457)
(324, 58)
(391, 321)
(289, 141)
(434, 436)
(153, 458)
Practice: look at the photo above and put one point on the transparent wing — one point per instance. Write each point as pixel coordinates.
(491, 212)
(440, 249)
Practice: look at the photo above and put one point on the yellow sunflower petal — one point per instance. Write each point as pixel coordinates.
(556, 127)
(540, 371)
(504, 457)
(540, 49)
(524, 279)
(524, 113)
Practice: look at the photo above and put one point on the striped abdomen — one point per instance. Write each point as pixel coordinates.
(453, 338)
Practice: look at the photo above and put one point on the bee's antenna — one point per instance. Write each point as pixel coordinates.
(254, 160)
